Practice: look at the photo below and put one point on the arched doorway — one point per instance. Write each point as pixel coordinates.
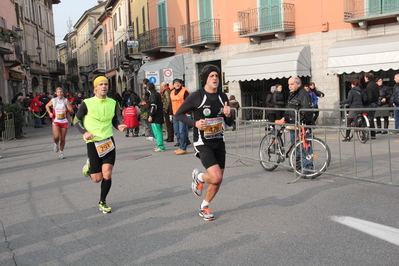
(35, 85)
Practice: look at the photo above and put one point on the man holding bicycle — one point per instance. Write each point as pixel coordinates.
(299, 98)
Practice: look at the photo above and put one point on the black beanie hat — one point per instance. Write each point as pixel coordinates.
(177, 80)
(207, 70)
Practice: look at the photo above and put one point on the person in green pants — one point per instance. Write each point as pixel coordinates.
(155, 116)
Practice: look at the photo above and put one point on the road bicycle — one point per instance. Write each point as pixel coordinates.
(309, 156)
(360, 126)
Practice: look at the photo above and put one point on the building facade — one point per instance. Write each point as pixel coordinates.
(257, 44)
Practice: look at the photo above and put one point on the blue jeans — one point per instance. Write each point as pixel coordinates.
(396, 116)
(304, 158)
(37, 122)
(181, 133)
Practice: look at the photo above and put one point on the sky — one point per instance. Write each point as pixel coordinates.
(69, 10)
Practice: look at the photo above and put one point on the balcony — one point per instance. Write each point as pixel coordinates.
(360, 11)
(99, 68)
(7, 40)
(159, 40)
(132, 50)
(201, 34)
(268, 20)
(85, 69)
(14, 59)
(56, 67)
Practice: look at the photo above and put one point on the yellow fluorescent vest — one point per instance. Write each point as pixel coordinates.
(98, 120)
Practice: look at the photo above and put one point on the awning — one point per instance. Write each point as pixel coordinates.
(365, 54)
(269, 64)
(176, 63)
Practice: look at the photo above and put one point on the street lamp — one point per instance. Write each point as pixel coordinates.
(19, 31)
(39, 50)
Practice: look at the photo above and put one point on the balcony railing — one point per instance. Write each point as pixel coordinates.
(201, 32)
(99, 67)
(357, 10)
(267, 20)
(56, 67)
(86, 69)
(158, 40)
(15, 59)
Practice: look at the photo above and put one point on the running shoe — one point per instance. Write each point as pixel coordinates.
(102, 206)
(86, 168)
(56, 149)
(61, 155)
(206, 214)
(158, 149)
(196, 185)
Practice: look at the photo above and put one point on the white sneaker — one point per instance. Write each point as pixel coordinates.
(150, 138)
(61, 155)
(56, 149)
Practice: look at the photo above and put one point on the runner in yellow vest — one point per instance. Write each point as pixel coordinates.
(94, 120)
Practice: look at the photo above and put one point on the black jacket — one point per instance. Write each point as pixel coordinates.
(385, 92)
(373, 92)
(300, 99)
(278, 99)
(395, 95)
(270, 103)
(156, 109)
(354, 98)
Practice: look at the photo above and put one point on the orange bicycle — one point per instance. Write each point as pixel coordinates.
(308, 156)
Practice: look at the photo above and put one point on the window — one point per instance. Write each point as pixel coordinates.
(40, 18)
(382, 6)
(27, 12)
(162, 24)
(105, 33)
(270, 16)
(137, 26)
(143, 15)
(120, 16)
(205, 15)
(115, 20)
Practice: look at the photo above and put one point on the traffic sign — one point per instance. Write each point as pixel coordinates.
(153, 77)
(168, 75)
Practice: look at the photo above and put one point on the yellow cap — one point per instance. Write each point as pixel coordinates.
(98, 79)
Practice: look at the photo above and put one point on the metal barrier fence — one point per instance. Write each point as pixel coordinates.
(9, 132)
(375, 161)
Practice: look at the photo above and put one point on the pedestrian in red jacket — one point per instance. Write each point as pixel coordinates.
(35, 107)
(131, 119)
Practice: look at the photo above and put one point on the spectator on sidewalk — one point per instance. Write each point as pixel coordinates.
(35, 107)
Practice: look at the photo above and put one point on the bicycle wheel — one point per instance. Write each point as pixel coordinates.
(362, 134)
(269, 152)
(310, 159)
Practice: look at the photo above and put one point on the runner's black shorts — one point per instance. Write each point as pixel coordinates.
(96, 162)
(211, 153)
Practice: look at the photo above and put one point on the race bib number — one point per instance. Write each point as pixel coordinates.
(61, 115)
(103, 147)
(214, 128)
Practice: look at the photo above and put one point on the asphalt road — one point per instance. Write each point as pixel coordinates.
(49, 214)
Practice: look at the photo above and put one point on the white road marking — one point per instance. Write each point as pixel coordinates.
(380, 231)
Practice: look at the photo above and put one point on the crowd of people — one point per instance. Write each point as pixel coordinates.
(373, 94)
